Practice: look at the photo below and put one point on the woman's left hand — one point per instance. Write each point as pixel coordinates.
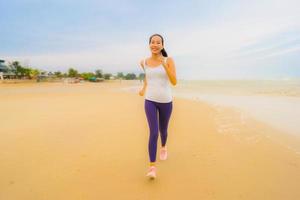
(170, 68)
(163, 61)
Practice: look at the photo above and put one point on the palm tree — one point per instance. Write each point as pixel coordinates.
(73, 72)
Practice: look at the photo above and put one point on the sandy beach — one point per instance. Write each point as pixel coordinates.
(88, 141)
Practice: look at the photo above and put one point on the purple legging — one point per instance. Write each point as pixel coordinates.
(161, 121)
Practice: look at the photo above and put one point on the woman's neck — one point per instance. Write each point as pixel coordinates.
(155, 56)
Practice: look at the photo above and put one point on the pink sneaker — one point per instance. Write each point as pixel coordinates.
(163, 154)
(152, 172)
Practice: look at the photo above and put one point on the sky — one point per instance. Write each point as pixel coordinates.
(257, 39)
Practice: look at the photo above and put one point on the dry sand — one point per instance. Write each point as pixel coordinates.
(89, 141)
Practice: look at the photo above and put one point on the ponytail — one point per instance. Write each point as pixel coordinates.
(164, 53)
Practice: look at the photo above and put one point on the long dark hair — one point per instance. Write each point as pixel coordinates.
(163, 51)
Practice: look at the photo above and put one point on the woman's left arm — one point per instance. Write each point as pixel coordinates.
(169, 66)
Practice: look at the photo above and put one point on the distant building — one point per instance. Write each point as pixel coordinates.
(3, 67)
(6, 71)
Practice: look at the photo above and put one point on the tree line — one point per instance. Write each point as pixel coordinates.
(27, 72)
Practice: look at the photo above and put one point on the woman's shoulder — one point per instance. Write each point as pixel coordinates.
(169, 59)
(143, 62)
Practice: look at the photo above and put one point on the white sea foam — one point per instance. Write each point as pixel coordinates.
(281, 112)
(275, 102)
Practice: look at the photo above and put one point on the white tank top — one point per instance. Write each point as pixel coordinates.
(158, 85)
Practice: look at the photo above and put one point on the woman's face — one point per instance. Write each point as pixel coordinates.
(156, 45)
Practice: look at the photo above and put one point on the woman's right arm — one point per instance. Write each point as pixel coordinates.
(142, 91)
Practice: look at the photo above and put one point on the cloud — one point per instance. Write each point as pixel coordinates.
(237, 39)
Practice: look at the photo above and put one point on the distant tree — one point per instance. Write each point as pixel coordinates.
(58, 74)
(17, 68)
(26, 72)
(120, 75)
(107, 76)
(44, 73)
(13, 65)
(34, 73)
(72, 72)
(141, 76)
(22, 71)
(99, 73)
(87, 75)
(130, 76)
(30, 73)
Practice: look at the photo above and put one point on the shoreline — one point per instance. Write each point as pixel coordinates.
(278, 111)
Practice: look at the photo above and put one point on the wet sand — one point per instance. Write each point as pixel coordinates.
(89, 141)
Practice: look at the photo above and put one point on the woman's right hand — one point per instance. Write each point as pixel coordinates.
(142, 92)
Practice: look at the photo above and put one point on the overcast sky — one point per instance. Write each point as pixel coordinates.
(207, 39)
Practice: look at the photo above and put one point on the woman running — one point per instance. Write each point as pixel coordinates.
(159, 73)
